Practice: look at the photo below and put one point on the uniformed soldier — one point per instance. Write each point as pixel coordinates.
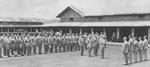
(136, 46)
(46, 45)
(1, 46)
(103, 45)
(81, 43)
(34, 44)
(39, 44)
(131, 50)
(125, 50)
(51, 43)
(4, 46)
(90, 43)
(7, 43)
(95, 46)
(145, 48)
(140, 49)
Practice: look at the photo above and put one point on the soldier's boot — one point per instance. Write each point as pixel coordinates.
(8, 53)
(55, 49)
(82, 51)
(102, 52)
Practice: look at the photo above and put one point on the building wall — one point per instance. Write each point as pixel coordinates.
(21, 23)
(71, 14)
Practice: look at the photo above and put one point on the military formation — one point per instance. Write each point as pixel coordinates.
(135, 49)
(23, 44)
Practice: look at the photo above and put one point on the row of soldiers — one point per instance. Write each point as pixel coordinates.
(93, 42)
(27, 44)
(20, 44)
(135, 49)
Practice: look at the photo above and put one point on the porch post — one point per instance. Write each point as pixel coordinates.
(118, 33)
(70, 31)
(132, 32)
(104, 31)
(80, 30)
(92, 30)
(149, 35)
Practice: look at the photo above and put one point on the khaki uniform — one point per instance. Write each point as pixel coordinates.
(145, 48)
(125, 51)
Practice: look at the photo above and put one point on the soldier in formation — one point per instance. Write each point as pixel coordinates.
(135, 49)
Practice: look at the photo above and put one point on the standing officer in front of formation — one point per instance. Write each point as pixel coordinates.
(131, 50)
(126, 50)
(145, 48)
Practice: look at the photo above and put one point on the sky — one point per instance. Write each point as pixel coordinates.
(49, 9)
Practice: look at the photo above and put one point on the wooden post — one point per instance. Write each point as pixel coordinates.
(70, 31)
(132, 32)
(149, 35)
(92, 31)
(118, 33)
(80, 30)
(104, 31)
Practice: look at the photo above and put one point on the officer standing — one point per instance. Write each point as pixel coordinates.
(140, 49)
(1, 45)
(145, 48)
(81, 43)
(131, 50)
(125, 50)
(136, 46)
(103, 45)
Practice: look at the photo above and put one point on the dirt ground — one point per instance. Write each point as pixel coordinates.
(113, 58)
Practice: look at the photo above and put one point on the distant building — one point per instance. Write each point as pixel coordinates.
(114, 25)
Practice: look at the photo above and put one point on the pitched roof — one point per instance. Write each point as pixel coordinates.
(70, 7)
(103, 7)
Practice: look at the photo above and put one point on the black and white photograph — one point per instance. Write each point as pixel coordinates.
(74, 33)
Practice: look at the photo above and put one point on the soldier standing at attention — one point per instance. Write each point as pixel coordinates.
(131, 50)
(7, 41)
(89, 45)
(136, 46)
(81, 43)
(140, 49)
(125, 50)
(1, 46)
(103, 46)
(145, 48)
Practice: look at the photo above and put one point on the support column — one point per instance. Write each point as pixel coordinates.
(60, 31)
(8, 29)
(132, 32)
(92, 31)
(104, 31)
(118, 33)
(149, 35)
(70, 31)
(80, 30)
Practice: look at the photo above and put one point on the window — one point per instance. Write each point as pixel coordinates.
(71, 19)
(141, 17)
(100, 19)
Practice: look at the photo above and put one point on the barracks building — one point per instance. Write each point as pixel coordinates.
(73, 20)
